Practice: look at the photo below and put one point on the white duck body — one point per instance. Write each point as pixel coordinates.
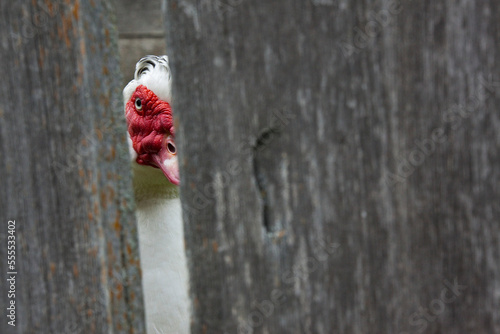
(165, 278)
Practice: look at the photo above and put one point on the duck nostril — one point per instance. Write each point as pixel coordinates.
(171, 148)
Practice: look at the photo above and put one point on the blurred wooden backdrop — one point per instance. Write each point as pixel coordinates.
(141, 32)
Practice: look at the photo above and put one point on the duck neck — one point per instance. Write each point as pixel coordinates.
(150, 184)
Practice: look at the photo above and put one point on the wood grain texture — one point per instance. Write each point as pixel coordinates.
(65, 171)
(340, 164)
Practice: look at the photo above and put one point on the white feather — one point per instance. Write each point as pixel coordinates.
(163, 261)
(154, 73)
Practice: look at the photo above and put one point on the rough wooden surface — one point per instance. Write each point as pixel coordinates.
(65, 172)
(340, 164)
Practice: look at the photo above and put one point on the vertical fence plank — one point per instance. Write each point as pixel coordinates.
(340, 164)
(65, 173)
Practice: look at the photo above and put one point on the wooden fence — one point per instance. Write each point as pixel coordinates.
(339, 162)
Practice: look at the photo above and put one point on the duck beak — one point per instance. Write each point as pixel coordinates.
(166, 160)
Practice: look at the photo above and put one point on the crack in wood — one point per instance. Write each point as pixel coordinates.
(261, 143)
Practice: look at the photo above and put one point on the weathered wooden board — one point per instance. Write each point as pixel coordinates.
(340, 164)
(65, 172)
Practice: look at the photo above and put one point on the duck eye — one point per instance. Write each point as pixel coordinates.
(138, 104)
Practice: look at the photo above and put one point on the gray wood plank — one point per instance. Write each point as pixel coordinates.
(139, 17)
(65, 172)
(340, 164)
